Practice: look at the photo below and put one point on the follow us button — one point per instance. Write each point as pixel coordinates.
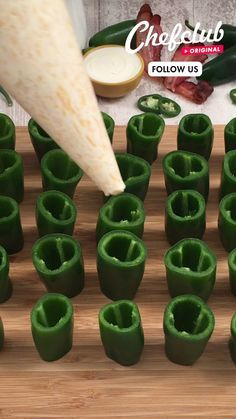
(172, 68)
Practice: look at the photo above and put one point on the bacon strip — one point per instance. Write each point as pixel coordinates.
(150, 52)
(172, 82)
(197, 93)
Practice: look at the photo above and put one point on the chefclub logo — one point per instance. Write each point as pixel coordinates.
(175, 39)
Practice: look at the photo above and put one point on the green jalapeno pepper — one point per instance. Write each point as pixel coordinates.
(121, 212)
(190, 268)
(229, 34)
(220, 69)
(59, 172)
(55, 213)
(6, 96)
(149, 103)
(121, 260)
(185, 215)
(11, 175)
(7, 132)
(5, 282)
(52, 326)
(109, 124)
(188, 324)
(230, 135)
(184, 170)
(232, 271)
(121, 332)
(115, 34)
(41, 141)
(169, 108)
(195, 134)
(228, 174)
(11, 234)
(232, 95)
(144, 134)
(135, 172)
(227, 222)
(59, 262)
(232, 340)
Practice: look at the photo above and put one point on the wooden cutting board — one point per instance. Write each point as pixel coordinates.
(85, 383)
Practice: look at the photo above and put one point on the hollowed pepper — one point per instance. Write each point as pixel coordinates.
(7, 132)
(135, 173)
(11, 175)
(121, 332)
(190, 268)
(11, 234)
(52, 326)
(185, 170)
(55, 213)
(144, 134)
(227, 222)
(59, 262)
(41, 141)
(109, 124)
(121, 212)
(121, 260)
(232, 271)
(59, 172)
(5, 282)
(188, 324)
(185, 215)
(195, 134)
(232, 340)
(230, 135)
(228, 174)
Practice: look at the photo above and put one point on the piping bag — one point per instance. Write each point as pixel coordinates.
(41, 65)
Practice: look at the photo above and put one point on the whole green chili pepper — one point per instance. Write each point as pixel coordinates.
(5, 282)
(7, 132)
(109, 124)
(149, 103)
(232, 340)
(121, 332)
(55, 213)
(121, 212)
(188, 324)
(59, 172)
(232, 271)
(229, 37)
(220, 69)
(228, 174)
(121, 260)
(230, 135)
(11, 175)
(41, 141)
(6, 96)
(195, 134)
(190, 268)
(185, 215)
(232, 95)
(184, 170)
(11, 234)
(144, 133)
(115, 34)
(52, 326)
(59, 262)
(135, 172)
(227, 222)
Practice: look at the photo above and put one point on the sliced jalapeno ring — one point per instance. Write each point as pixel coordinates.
(168, 107)
(149, 103)
(232, 95)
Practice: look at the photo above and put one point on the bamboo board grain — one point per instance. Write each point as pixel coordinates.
(85, 383)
